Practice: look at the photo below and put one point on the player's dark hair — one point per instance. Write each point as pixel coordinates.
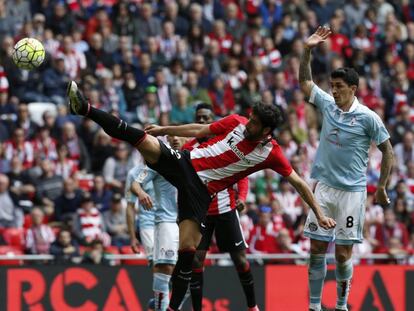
(269, 115)
(349, 75)
(203, 106)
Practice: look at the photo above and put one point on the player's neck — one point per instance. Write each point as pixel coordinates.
(347, 106)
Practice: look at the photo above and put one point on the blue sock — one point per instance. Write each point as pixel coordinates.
(343, 274)
(317, 274)
(161, 290)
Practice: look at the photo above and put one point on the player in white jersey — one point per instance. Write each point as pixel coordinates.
(162, 200)
(239, 148)
(348, 128)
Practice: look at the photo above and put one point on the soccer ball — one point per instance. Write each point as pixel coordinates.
(28, 53)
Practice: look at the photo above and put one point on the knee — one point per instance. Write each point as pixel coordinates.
(342, 257)
(239, 260)
(198, 261)
(318, 247)
(164, 268)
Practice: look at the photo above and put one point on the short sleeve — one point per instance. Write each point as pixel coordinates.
(227, 124)
(280, 164)
(378, 133)
(320, 98)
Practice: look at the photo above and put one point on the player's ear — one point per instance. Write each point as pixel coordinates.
(266, 130)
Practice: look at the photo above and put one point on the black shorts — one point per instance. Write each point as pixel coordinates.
(228, 232)
(193, 197)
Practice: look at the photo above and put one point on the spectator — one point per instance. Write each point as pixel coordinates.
(387, 232)
(263, 236)
(11, 216)
(149, 111)
(196, 93)
(39, 236)
(77, 150)
(115, 221)
(24, 122)
(61, 21)
(96, 56)
(116, 168)
(55, 80)
(96, 255)
(222, 97)
(182, 112)
(44, 146)
(88, 224)
(100, 194)
(147, 24)
(18, 146)
(64, 166)
(67, 203)
(48, 186)
(65, 249)
(404, 151)
(22, 185)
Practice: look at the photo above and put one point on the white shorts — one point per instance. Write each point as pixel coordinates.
(166, 243)
(346, 208)
(147, 240)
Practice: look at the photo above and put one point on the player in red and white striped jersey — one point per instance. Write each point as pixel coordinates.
(240, 148)
(222, 220)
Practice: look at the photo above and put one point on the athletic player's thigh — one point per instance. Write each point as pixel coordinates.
(350, 217)
(166, 243)
(229, 234)
(147, 241)
(312, 230)
(207, 230)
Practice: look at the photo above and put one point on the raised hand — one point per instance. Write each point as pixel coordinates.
(320, 35)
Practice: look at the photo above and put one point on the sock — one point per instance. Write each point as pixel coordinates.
(246, 280)
(160, 286)
(196, 287)
(343, 274)
(186, 296)
(116, 128)
(181, 276)
(317, 274)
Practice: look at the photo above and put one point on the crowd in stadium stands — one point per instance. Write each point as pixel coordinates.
(62, 177)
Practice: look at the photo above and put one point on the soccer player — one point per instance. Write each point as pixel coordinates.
(163, 200)
(240, 147)
(146, 218)
(222, 220)
(340, 165)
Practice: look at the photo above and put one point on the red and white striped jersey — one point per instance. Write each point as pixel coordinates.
(229, 156)
(224, 201)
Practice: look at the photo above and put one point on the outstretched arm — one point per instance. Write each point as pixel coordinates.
(303, 189)
(186, 130)
(305, 73)
(386, 166)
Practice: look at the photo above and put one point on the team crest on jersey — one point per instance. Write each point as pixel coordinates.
(333, 137)
(353, 121)
(142, 176)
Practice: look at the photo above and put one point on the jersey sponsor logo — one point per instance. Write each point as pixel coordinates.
(236, 150)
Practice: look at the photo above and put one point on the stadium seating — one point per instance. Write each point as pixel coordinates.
(10, 251)
(14, 237)
(128, 251)
(36, 110)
